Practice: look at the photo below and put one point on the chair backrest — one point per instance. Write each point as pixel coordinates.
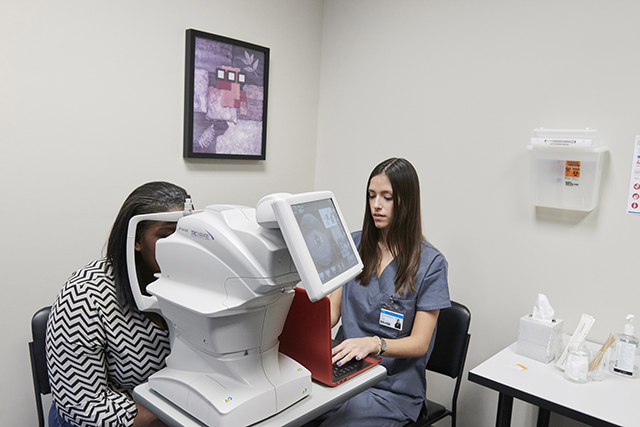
(452, 341)
(39, 358)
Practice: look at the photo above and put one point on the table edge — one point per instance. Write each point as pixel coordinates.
(538, 401)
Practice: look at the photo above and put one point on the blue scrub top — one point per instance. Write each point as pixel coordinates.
(405, 385)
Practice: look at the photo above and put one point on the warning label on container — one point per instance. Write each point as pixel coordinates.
(571, 173)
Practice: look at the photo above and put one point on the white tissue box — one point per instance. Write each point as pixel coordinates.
(539, 339)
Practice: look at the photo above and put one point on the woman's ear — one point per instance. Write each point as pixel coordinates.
(137, 246)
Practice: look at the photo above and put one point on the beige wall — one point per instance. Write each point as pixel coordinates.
(91, 106)
(91, 97)
(457, 86)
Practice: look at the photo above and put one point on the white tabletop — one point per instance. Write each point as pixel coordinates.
(320, 400)
(613, 400)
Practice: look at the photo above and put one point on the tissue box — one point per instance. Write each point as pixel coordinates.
(539, 339)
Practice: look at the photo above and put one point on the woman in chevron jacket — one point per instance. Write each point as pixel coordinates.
(99, 345)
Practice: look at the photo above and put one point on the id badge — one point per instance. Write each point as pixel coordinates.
(390, 317)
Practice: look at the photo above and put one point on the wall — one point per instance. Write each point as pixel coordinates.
(457, 86)
(91, 106)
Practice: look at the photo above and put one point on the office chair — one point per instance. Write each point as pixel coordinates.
(448, 358)
(39, 359)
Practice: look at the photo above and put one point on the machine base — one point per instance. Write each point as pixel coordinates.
(270, 382)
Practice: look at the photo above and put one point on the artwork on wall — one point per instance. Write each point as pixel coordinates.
(226, 84)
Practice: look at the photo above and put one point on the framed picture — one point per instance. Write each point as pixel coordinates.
(226, 87)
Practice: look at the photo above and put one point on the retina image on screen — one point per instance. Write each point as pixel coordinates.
(325, 238)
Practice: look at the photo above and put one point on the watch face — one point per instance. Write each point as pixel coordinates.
(383, 344)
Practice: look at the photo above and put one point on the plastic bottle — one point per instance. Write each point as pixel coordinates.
(625, 354)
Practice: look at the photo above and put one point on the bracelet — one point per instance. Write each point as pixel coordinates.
(379, 345)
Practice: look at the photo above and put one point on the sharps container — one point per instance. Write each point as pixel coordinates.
(566, 168)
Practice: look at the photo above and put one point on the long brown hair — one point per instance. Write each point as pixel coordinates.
(404, 238)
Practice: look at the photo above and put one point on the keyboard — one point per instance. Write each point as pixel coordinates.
(351, 366)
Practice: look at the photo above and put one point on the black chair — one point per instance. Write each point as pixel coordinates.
(448, 358)
(39, 359)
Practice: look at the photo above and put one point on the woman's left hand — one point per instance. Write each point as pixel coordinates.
(354, 348)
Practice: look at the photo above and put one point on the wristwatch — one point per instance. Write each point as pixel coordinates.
(383, 346)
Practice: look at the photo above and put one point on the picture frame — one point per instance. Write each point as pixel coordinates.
(226, 92)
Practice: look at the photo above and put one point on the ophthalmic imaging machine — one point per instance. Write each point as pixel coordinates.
(225, 288)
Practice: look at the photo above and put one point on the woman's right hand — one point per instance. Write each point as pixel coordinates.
(354, 348)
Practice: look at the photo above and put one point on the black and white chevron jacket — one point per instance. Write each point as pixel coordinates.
(98, 352)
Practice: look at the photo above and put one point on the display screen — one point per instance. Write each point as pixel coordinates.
(325, 238)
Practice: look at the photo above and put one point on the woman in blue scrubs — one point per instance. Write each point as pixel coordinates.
(392, 307)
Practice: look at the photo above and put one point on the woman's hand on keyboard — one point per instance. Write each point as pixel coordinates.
(354, 348)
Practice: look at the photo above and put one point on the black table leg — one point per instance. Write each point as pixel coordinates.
(543, 417)
(505, 406)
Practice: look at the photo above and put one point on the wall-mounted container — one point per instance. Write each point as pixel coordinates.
(566, 168)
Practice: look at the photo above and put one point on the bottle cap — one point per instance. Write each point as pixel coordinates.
(628, 327)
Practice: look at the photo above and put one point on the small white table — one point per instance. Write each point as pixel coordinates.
(611, 402)
(320, 400)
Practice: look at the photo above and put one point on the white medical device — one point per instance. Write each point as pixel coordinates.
(225, 288)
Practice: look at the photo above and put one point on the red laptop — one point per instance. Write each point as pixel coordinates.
(306, 338)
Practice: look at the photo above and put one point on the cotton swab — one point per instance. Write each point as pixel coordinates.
(598, 357)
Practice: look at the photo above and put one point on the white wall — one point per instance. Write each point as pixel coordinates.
(457, 86)
(91, 106)
(91, 97)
